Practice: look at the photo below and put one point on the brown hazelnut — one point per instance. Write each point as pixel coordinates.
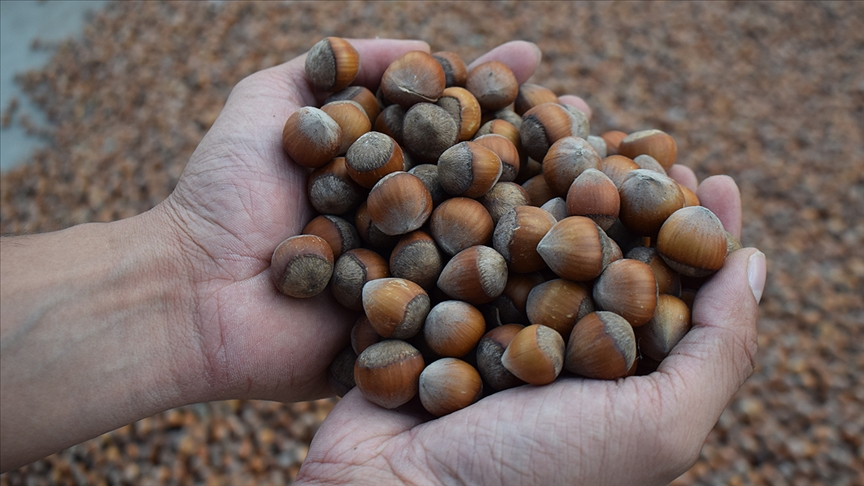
(647, 199)
(396, 307)
(351, 118)
(369, 232)
(516, 236)
(361, 95)
(617, 167)
(459, 223)
(693, 242)
(531, 95)
(428, 173)
(598, 144)
(332, 191)
(645, 161)
(416, 257)
(338, 233)
(352, 271)
(332, 64)
(512, 302)
(301, 266)
(476, 275)
(629, 289)
(341, 372)
(566, 159)
(557, 207)
(453, 328)
(363, 335)
(670, 323)
(311, 137)
(535, 355)
(428, 130)
(595, 196)
(504, 128)
(493, 84)
(601, 346)
(468, 169)
(464, 108)
(489, 351)
(577, 249)
(388, 373)
(655, 143)
(690, 197)
(544, 125)
(415, 77)
(399, 203)
(373, 156)
(559, 304)
(613, 140)
(448, 385)
(504, 114)
(506, 151)
(503, 197)
(538, 190)
(455, 71)
(391, 122)
(668, 280)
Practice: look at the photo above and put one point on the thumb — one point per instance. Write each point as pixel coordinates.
(715, 358)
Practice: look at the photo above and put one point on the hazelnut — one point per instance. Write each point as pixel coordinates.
(629, 289)
(647, 162)
(476, 275)
(416, 257)
(301, 266)
(577, 249)
(559, 304)
(493, 84)
(468, 169)
(371, 157)
(506, 151)
(613, 140)
(598, 144)
(668, 280)
(557, 207)
(544, 125)
(670, 323)
(332, 64)
(351, 118)
(693, 242)
(399, 203)
(332, 191)
(512, 302)
(428, 173)
(489, 351)
(448, 385)
(352, 271)
(361, 95)
(601, 346)
(504, 114)
(453, 328)
(595, 196)
(538, 190)
(504, 128)
(655, 143)
(311, 137)
(459, 223)
(415, 77)
(531, 95)
(617, 167)
(428, 130)
(566, 159)
(464, 108)
(363, 335)
(396, 307)
(391, 122)
(535, 355)
(455, 71)
(369, 232)
(690, 197)
(388, 373)
(341, 372)
(517, 234)
(503, 197)
(647, 199)
(338, 233)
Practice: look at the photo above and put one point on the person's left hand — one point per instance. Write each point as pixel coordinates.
(238, 198)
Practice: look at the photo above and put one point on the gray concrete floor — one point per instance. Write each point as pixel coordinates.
(20, 23)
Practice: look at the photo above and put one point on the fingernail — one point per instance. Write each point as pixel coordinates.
(756, 274)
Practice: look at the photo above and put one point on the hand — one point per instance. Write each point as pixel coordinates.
(638, 430)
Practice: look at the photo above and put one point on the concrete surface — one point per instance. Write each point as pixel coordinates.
(20, 23)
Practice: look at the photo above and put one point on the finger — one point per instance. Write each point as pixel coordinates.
(720, 194)
(576, 102)
(684, 175)
(520, 56)
(715, 358)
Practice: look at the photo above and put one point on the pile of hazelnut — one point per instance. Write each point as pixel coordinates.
(488, 240)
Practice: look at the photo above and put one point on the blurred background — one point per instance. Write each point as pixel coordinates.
(770, 93)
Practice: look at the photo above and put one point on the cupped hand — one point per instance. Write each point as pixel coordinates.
(637, 430)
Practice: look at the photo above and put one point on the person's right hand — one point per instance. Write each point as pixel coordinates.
(637, 430)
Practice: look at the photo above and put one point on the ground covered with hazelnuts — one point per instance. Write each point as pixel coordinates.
(771, 94)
